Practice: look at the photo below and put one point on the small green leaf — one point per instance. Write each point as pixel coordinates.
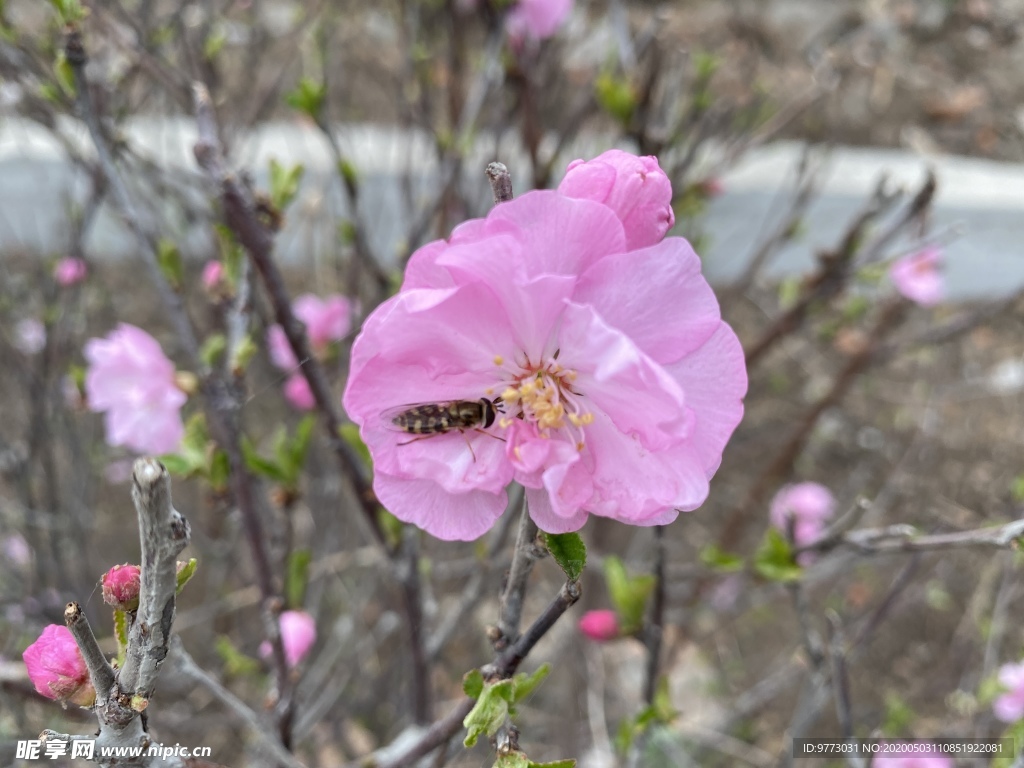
(350, 434)
(628, 594)
(569, 552)
(524, 685)
(347, 232)
(191, 458)
(661, 707)
(307, 97)
(720, 560)
(186, 570)
(213, 348)
(489, 712)
(789, 292)
(348, 172)
(569, 763)
(284, 183)
(1017, 488)
(391, 526)
(260, 465)
(774, 558)
(219, 471)
(236, 663)
(297, 577)
(512, 760)
(65, 74)
(616, 96)
(473, 683)
(243, 354)
(70, 11)
(214, 43)
(169, 259)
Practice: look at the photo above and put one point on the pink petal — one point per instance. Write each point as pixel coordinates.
(544, 515)
(537, 19)
(447, 516)
(298, 394)
(617, 378)
(281, 354)
(656, 296)
(714, 380)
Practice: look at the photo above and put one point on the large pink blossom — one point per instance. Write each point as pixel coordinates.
(911, 760)
(634, 187)
(1009, 707)
(618, 381)
(918, 278)
(536, 19)
(56, 667)
(131, 380)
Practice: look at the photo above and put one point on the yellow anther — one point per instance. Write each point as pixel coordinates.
(579, 446)
(498, 359)
(505, 423)
(510, 395)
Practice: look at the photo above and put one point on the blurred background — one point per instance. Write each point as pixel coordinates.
(809, 144)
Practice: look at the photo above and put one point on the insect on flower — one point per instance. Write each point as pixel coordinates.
(432, 419)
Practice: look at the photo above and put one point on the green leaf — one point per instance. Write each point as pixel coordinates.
(350, 434)
(569, 552)
(473, 683)
(307, 97)
(661, 708)
(789, 292)
(186, 570)
(259, 465)
(1017, 488)
(569, 763)
(284, 183)
(512, 760)
(191, 457)
(169, 259)
(616, 97)
(213, 348)
(391, 526)
(720, 560)
(774, 558)
(236, 663)
(297, 577)
(220, 470)
(489, 712)
(65, 74)
(629, 594)
(214, 43)
(70, 11)
(348, 172)
(243, 354)
(524, 685)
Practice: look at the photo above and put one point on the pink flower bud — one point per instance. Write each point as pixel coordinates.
(57, 669)
(600, 625)
(917, 277)
(298, 393)
(69, 271)
(121, 586)
(298, 634)
(213, 274)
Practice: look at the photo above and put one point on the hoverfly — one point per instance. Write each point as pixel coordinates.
(431, 419)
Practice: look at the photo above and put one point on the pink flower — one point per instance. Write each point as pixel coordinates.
(600, 625)
(635, 188)
(1010, 706)
(917, 276)
(16, 550)
(30, 336)
(536, 19)
(298, 393)
(617, 382)
(327, 320)
(131, 380)
(298, 635)
(57, 669)
(808, 505)
(69, 271)
(910, 760)
(213, 273)
(121, 585)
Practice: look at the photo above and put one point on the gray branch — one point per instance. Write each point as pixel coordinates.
(100, 671)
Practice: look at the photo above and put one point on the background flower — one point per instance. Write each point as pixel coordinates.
(30, 336)
(56, 667)
(808, 506)
(1010, 706)
(536, 19)
(626, 382)
(69, 271)
(131, 381)
(327, 320)
(600, 625)
(917, 277)
(298, 635)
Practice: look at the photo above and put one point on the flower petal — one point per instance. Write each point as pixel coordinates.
(544, 515)
(447, 516)
(656, 296)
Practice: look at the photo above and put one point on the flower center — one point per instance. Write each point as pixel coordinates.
(544, 395)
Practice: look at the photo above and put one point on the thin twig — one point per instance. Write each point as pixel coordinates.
(100, 671)
(654, 630)
(526, 554)
(501, 182)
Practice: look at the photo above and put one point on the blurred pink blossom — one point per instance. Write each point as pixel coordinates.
(917, 276)
(298, 635)
(298, 393)
(618, 383)
(635, 188)
(326, 320)
(600, 625)
(536, 19)
(131, 380)
(905, 760)
(808, 505)
(1010, 706)
(213, 273)
(121, 586)
(57, 669)
(69, 271)
(30, 336)
(16, 550)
